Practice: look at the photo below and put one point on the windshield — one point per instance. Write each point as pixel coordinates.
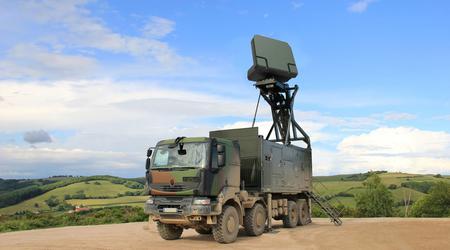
(166, 157)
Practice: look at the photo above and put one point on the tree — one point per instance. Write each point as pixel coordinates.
(376, 200)
(52, 201)
(435, 204)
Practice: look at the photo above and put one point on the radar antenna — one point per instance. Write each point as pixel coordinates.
(273, 66)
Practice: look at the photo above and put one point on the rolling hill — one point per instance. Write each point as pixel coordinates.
(94, 191)
(342, 189)
(107, 191)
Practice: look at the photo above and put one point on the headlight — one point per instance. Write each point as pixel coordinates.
(201, 201)
(150, 201)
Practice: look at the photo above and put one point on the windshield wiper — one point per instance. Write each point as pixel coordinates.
(165, 169)
(174, 168)
(186, 168)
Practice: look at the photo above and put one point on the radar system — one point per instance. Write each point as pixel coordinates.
(273, 66)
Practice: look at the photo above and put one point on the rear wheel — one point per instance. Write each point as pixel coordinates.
(169, 232)
(255, 220)
(290, 220)
(304, 217)
(227, 227)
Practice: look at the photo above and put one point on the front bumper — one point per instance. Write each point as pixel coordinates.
(178, 206)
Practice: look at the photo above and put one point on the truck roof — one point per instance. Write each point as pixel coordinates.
(185, 140)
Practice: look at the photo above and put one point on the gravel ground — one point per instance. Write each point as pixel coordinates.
(376, 233)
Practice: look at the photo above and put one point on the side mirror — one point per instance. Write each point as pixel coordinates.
(221, 160)
(147, 164)
(149, 152)
(181, 151)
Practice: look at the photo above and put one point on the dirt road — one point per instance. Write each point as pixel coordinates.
(377, 233)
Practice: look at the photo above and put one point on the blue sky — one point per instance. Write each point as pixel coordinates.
(87, 86)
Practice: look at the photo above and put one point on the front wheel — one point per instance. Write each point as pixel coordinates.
(227, 227)
(169, 232)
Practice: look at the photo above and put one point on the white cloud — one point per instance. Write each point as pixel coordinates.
(296, 4)
(120, 118)
(392, 116)
(403, 149)
(349, 98)
(326, 162)
(442, 117)
(312, 128)
(158, 27)
(344, 123)
(105, 115)
(63, 32)
(17, 162)
(27, 60)
(360, 6)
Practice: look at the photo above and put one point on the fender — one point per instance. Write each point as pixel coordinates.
(230, 195)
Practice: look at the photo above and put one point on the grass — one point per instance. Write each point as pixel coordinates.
(28, 220)
(128, 200)
(346, 201)
(324, 185)
(403, 193)
(333, 185)
(398, 178)
(106, 188)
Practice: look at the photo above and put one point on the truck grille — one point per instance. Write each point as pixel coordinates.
(174, 188)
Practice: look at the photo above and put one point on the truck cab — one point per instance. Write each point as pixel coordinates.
(189, 180)
(186, 167)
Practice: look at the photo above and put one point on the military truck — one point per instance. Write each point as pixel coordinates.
(237, 177)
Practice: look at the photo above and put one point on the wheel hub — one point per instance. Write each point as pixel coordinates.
(259, 219)
(231, 224)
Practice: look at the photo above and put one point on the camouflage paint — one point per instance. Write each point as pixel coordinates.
(173, 177)
(208, 182)
(228, 175)
(159, 177)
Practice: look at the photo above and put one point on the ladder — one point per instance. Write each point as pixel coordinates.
(326, 207)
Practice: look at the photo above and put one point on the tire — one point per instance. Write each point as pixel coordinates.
(227, 227)
(204, 230)
(169, 232)
(255, 220)
(304, 217)
(290, 220)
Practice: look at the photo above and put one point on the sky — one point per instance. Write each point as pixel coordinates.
(87, 86)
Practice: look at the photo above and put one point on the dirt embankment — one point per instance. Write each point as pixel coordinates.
(379, 233)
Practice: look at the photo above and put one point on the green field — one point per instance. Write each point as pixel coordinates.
(106, 188)
(339, 189)
(331, 186)
(119, 201)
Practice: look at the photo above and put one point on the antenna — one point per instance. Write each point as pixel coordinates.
(274, 65)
